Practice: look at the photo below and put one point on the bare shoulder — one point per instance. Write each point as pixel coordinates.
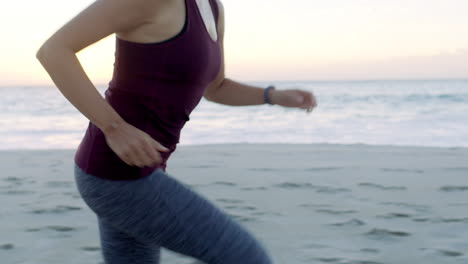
(220, 8)
(102, 18)
(137, 11)
(221, 17)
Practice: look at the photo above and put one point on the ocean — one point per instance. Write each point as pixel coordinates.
(398, 113)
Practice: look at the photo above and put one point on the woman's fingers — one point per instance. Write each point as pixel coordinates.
(309, 100)
(143, 158)
(137, 158)
(148, 153)
(160, 147)
(152, 153)
(134, 146)
(130, 157)
(306, 103)
(141, 154)
(126, 158)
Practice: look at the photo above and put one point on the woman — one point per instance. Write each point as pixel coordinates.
(169, 54)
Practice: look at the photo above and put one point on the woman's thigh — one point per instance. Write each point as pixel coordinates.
(119, 247)
(160, 210)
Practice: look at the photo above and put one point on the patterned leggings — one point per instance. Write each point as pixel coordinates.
(138, 217)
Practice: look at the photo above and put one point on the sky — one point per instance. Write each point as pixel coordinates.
(276, 40)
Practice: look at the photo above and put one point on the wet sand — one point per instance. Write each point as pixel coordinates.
(313, 203)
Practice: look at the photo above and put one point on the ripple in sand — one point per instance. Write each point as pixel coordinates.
(33, 229)
(381, 187)
(450, 253)
(263, 169)
(230, 201)
(416, 207)
(383, 234)
(352, 222)
(58, 184)
(57, 210)
(442, 220)
(327, 189)
(347, 261)
(244, 208)
(330, 260)
(267, 213)
(242, 218)
(402, 170)
(13, 180)
(448, 188)
(335, 212)
(316, 246)
(394, 215)
(53, 227)
(454, 220)
(7, 246)
(364, 262)
(73, 195)
(291, 185)
(17, 192)
(254, 188)
(224, 183)
(370, 250)
(248, 208)
(306, 185)
(61, 228)
(196, 186)
(315, 205)
(421, 219)
(323, 169)
(90, 248)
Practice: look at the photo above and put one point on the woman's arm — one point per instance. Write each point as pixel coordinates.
(233, 93)
(57, 54)
(229, 92)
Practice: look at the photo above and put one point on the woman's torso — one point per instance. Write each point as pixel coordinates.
(161, 70)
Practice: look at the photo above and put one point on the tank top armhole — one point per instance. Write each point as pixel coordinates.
(215, 10)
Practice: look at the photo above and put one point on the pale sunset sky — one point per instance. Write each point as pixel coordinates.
(268, 40)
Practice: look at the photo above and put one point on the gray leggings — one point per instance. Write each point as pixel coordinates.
(137, 217)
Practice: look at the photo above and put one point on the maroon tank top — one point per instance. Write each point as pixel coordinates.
(154, 87)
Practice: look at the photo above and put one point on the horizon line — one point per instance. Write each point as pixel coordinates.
(291, 80)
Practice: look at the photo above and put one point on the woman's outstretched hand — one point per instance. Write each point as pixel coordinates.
(294, 98)
(134, 146)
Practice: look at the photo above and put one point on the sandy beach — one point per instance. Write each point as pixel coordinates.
(308, 203)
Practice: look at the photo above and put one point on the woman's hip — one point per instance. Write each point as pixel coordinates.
(109, 197)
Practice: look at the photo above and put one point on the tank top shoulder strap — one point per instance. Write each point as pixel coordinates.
(214, 8)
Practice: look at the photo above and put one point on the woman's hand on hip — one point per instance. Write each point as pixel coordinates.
(134, 146)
